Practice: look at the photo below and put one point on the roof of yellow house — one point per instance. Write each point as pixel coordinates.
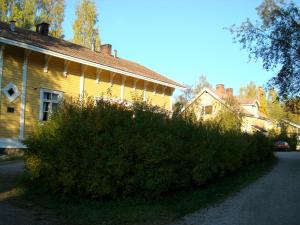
(77, 51)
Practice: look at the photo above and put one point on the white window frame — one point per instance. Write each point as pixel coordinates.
(42, 100)
(12, 97)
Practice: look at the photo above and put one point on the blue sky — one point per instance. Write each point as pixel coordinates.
(179, 39)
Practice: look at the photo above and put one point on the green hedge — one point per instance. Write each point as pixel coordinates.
(109, 151)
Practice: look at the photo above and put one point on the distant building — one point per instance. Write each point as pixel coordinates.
(208, 103)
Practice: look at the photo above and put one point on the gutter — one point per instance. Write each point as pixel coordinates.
(85, 62)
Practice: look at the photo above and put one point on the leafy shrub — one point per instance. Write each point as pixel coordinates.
(111, 151)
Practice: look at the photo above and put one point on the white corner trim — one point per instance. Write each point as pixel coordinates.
(123, 87)
(164, 90)
(47, 59)
(111, 78)
(85, 62)
(66, 65)
(171, 103)
(23, 94)
(1, 65)
(145, 90)
(41, 104)
(134, 83)
(83, 68)
(98, 73)
(155, 89)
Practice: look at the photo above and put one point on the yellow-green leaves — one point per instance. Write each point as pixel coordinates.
(84, 27)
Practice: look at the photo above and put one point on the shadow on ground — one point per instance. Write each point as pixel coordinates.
(13, 209)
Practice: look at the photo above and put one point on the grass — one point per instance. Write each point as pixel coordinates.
(79, 211)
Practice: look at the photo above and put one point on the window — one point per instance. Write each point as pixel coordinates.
(206, 110)
(11, 92)
(49, 103)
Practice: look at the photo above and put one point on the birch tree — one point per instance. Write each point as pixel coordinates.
(52, 12)
(84, 28)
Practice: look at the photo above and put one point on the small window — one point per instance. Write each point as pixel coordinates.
(207, 110)
(49, 103)
(11, 91)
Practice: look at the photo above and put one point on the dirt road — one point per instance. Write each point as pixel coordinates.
(14, 210)
(272, 200)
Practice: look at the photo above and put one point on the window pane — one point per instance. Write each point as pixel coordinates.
(208, 109)
(54, 107)
(47, 95)
(46, 106)
(55, 97)
(45, 116)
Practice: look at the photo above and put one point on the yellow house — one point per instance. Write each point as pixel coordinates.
(208, 102)
(37, 71)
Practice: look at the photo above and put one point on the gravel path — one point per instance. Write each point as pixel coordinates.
(14, 210)
(272, 200)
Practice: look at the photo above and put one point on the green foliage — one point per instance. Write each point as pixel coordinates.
(84, 30)
(275, 108)
(275, 40)
(111, 151)
(52, 12)
(27, 13)
(284, 135)
(249, 91)
(23, 12)
(190, 92)
(228, 119)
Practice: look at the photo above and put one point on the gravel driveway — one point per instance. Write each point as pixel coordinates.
(14, 210)
(272, 200)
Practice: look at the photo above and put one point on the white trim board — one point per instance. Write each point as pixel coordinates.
(85, 62)
(23, 94)
(11, 143)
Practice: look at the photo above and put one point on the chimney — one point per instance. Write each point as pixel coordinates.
(229, 92)
(220, 89)
(42, 28)
(12, 25)
(106, 49)
(116, 53)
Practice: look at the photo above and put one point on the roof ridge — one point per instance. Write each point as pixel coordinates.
(70, 49)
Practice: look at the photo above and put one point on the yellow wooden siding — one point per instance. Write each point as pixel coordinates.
(54, 79)
(12, 72)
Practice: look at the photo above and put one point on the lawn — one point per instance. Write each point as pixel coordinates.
(77, 211)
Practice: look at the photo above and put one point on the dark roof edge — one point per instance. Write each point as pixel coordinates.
(86, 62)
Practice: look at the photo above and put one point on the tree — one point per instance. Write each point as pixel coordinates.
(202, 83)
(5, 6)
(275, 108)
(84, 29)
(27, 13)
(229, 118)
(23, 12)
(250, 91)
(52, 12)
(293, 105)
(275, 40)
(191, 92)
(263, 101)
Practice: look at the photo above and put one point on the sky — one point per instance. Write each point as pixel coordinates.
(181, 39)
